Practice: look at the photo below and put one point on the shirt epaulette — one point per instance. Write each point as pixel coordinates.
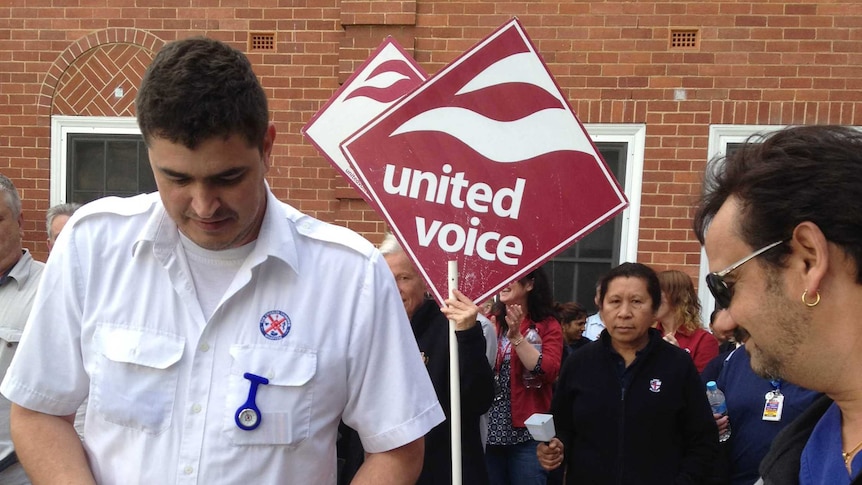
(322, 231)
(121, 206)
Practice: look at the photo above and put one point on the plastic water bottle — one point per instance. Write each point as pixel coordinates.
(718, 404)
(530, 380)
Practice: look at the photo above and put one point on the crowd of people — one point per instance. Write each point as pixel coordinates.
(217, 332)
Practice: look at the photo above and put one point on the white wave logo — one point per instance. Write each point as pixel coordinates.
(388, 82)
(538, 133)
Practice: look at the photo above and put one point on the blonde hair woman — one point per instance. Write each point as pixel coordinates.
(678, 318)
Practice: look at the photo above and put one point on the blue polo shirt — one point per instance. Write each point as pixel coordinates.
(822, 460)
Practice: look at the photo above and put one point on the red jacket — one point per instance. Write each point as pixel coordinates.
(700, 345)
(525, 401)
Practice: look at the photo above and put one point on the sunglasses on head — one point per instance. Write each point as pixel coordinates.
(719, 288)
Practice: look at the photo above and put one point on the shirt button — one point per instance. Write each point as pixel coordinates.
(203, 347)
(196, 408)
(188, 470)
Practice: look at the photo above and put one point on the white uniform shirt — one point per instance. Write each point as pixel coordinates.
(118, 315)
(594, 327)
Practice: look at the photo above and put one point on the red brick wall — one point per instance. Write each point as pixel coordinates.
(757, 63)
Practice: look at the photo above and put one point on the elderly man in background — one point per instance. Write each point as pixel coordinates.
(56, 218)
(431, 329)
(782, 228)
(18, 283)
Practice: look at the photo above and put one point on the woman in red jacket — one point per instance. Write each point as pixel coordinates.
(679, 318)
(524, 305)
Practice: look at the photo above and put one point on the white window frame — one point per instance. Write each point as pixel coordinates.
(719, 137)
(634, 135)
(62, 127)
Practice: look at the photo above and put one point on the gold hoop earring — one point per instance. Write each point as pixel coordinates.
(813, 303)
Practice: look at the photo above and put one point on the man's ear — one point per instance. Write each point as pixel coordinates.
(268, 143)
(810, 254)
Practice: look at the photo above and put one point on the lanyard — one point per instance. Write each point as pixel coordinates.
(501, 352)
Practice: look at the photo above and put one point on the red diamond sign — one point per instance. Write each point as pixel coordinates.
(384, 78)
(485, 164)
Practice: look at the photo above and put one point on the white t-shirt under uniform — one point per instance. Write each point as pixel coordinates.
(313, 308)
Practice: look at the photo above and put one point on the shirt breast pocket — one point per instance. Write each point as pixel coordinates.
(284, 403)
(135, 380)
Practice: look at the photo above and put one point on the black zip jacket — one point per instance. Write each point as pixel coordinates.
(649, 423)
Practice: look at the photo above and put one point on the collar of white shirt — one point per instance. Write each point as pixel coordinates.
(162, 234)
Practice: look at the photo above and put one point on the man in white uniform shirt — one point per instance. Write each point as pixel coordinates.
(19, 278)
(219, 334)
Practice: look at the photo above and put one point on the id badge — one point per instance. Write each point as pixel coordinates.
(773, 407)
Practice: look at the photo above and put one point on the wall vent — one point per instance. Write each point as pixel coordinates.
(684, 39)
(261, 41)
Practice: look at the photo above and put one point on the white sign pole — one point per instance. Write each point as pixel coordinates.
(454, 385)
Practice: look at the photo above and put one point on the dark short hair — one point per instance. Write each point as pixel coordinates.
(805, 173)
(197, 89)
(569, 311)
(633, 270)
(540, 301)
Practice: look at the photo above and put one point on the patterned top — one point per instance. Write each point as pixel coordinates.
(500, 429)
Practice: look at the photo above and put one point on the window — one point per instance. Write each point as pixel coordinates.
(107, 164)
(575, 271)
(94, 156)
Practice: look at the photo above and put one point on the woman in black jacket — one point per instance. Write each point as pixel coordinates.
(630, 409)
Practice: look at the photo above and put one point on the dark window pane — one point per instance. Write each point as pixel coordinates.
(105, 164)
(588, 276)
(615, 156)
(122, 167)
(562, 275)
(82, 197)
(89, 159)
(732, 148)
(599, 243)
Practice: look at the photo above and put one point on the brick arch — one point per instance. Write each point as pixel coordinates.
(57, 74)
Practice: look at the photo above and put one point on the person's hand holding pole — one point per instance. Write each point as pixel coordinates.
(460, 310)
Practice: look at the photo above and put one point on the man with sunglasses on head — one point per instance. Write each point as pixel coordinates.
(782, 227)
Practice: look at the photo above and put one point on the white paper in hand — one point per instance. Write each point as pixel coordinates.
(541, 426)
